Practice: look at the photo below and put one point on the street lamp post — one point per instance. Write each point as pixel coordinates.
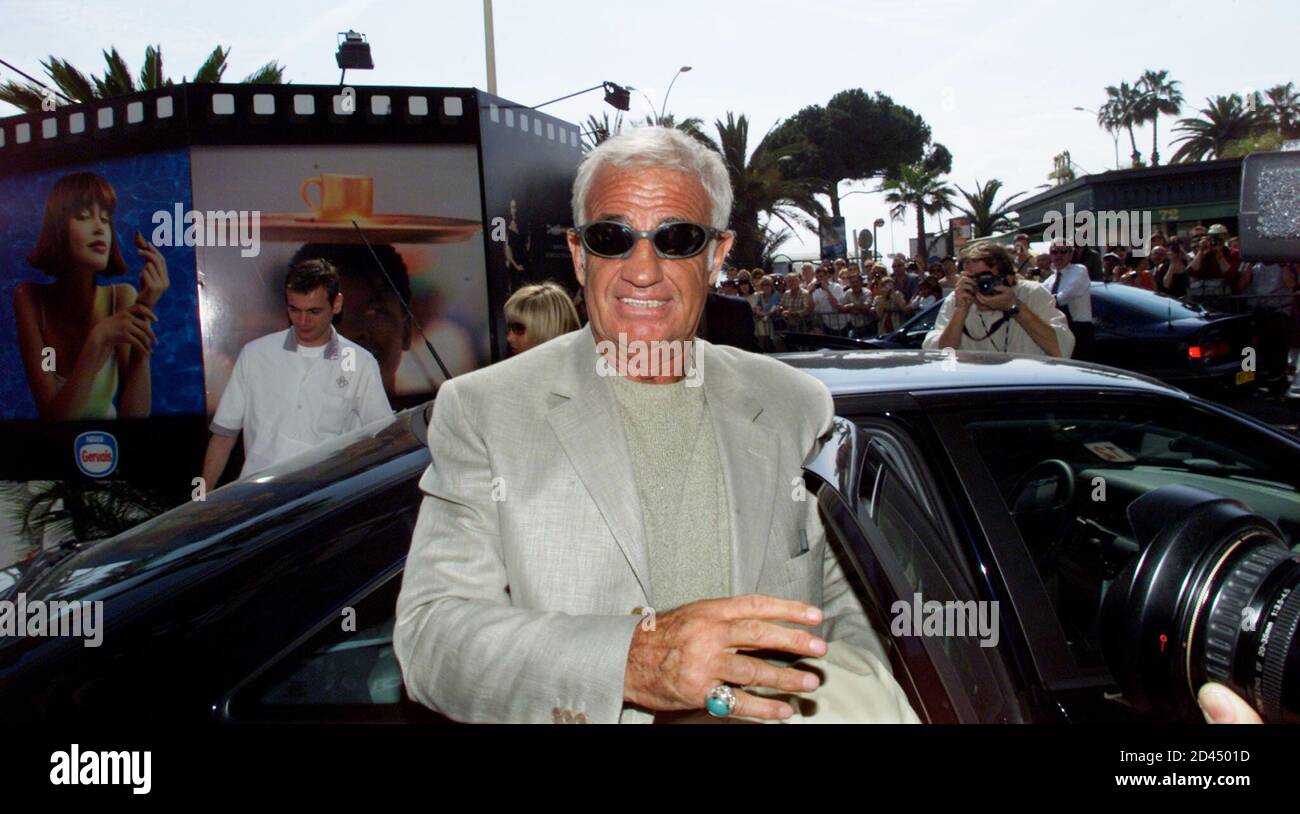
(875, 244)
(1114, 134)
(490, 39)
(664, 107)
(645, 96)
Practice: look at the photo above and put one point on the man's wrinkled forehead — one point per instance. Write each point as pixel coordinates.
(633, 194)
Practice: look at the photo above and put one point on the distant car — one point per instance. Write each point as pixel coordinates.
(273, 600)
(1138, 331)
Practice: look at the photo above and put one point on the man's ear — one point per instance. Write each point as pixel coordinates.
(720, 254)
(338, 303)
(575, 252)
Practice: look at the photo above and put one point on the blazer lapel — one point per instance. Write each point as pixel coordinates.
(590, 430)
(586, 421)
(748, 463)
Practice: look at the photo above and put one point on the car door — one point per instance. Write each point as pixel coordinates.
(883, 518)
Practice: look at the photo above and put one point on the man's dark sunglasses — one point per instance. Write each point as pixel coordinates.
(671, 241)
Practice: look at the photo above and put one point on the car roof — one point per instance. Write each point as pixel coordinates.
(866, 372)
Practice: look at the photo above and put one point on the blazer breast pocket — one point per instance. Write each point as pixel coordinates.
(803, 575)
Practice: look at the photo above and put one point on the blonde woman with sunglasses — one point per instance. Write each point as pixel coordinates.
(537, 314)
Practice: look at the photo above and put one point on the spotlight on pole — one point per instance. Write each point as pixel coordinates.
(615, 94)
(618, 96)
(353, 52)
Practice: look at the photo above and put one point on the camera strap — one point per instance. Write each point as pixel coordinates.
(989, 330)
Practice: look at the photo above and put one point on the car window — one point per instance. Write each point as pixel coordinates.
(1139, 305)
(923, 322)
(892, 498)
(1068, 475)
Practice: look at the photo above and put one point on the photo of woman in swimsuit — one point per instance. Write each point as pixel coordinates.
(84, 344)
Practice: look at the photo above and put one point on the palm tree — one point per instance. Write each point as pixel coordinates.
(693, 126)
(79, 509)
(985, 215)
(1109, 118)
(1283, 109)
(912, 186)
(1225, 119)
(597, 130)
(771, 240)
(762, 191)
(1159, 94)
(1124, 103)
(117, 79)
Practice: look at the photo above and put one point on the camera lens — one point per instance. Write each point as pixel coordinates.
(1213, 595)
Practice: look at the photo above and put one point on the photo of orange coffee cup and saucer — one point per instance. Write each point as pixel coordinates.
(335, 201)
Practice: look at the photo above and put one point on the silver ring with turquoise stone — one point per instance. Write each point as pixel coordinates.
(721, 701)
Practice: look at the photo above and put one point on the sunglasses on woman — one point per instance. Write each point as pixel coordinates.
(672, 241)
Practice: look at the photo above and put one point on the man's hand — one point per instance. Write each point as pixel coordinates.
(1223, 706)
(693, 649)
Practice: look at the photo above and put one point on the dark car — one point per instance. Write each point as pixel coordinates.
(1141, 332)
(974, 478)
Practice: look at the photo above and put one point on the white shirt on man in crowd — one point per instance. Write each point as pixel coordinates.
(824, 309)
(1074, 291)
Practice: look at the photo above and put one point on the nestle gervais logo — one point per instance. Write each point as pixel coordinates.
(96, 453)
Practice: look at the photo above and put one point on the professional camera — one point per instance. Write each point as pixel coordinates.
(986, 281)
(1212, 595)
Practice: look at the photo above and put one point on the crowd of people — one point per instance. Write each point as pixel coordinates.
(871, 299)
(874, 298)
(839, 298)
(1202, 268)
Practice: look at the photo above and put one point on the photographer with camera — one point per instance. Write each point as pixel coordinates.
(992, 310)
(1210, 271)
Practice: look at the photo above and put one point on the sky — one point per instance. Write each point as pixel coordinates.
(995, 82)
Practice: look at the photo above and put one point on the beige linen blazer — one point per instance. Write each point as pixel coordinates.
(528, 570)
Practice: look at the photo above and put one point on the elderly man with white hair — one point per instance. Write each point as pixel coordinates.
(612, 525)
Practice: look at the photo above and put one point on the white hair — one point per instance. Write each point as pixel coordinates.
(658, 148)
